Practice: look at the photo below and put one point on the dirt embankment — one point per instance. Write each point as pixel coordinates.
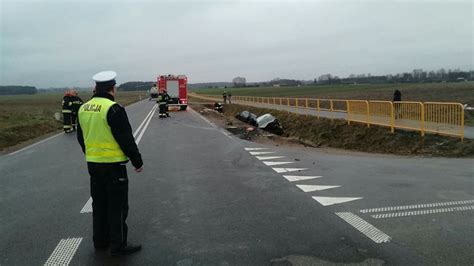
(337, 134)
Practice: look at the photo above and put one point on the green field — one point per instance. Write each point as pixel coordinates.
(462, 92)
(23, 117)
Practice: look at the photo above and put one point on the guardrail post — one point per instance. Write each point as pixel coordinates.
(422, 119)
(392, 119)
(368, 113)
(331, 106)
(348, 108)
(306, 103)
(317, 103)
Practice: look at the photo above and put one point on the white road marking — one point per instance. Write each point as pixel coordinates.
(364, 227)
(422, 212)
(88, 206)
(326, 201)
(209, 122)
(311, 188)
(418, 206)
(276, 163)
(64, 251)
(144, 120)
(269, 157)
(293, 178)
(34, 144)
(145, 127)
(284, 170)
(202, 117)
(255, 149)
(225, 133)
(261, 152)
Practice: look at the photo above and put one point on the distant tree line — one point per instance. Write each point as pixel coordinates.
(416, 76)
(136, 86)
(12, 90)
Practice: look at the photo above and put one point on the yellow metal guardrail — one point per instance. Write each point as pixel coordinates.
(435, 117)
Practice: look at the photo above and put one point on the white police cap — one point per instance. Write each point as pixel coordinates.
(104, 76)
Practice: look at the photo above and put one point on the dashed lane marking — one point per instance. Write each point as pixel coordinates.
(422, 212)
(87, 207)
(261, 152)
(364, 227)
(284, 170)
(276, 163)
(261, 158)
(418, 206)
(255, 149)
(311, 188)
(64, 251)
(293, 178)
(326, 201)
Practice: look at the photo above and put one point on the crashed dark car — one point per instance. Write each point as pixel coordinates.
(269, 123)
(247, 117)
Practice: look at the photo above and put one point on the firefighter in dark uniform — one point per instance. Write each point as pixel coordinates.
(106, 138)
(76, 104)
(161, 105)
(163, 99)
(167, 99)
(67, 111)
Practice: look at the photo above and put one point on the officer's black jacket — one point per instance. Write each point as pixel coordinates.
(121, 130)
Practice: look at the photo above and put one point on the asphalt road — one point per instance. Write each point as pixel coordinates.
(204, 199)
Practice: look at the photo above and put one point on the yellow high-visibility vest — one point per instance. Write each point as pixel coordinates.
(101, 146)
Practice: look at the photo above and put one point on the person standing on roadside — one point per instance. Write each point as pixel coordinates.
(67, 111)
(229, 98)
(224, 96)
(397, 97)
(76, 104)
(106, 138)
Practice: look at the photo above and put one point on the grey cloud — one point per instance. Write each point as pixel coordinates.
(57, 43)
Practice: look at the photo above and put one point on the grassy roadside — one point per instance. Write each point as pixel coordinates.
(25, 117)
(337, 134)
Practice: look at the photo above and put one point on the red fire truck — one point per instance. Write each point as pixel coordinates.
(177, 88)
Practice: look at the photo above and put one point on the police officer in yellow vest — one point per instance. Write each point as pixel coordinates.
(106, 138)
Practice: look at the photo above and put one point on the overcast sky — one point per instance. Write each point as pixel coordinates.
(63, 43)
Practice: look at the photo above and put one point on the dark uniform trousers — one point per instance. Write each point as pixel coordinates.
(109, 190)
(67, 121)
(162, 108)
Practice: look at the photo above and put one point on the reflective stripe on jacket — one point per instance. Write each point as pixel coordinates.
(100, 144)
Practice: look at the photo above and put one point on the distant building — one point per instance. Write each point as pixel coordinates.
(239, 81)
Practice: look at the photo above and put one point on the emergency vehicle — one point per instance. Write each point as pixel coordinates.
(177, 89)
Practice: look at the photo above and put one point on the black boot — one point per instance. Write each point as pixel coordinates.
(125, 250)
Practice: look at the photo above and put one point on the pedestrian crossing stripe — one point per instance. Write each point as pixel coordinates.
(284, 170)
